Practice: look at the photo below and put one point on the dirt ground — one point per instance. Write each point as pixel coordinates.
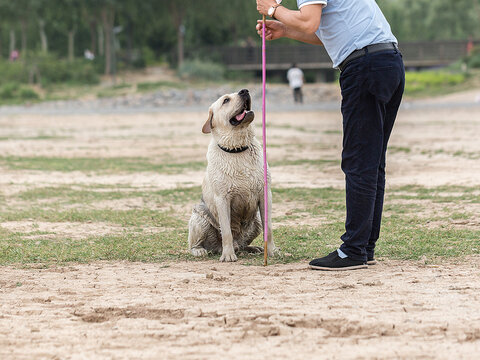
(209, 310)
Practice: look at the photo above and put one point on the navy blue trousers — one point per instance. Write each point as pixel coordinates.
(372, 88)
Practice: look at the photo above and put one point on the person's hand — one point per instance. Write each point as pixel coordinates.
(264, 5)
(273, 29)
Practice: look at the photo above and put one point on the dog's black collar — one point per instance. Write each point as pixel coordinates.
(234, 150)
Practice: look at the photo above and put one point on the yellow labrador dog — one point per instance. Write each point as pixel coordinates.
(231, 212)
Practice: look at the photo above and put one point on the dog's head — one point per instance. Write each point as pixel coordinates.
(230, 113)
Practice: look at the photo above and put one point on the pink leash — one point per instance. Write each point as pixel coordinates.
(264, 135)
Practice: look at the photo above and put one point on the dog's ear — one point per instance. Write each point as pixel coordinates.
(207, 127)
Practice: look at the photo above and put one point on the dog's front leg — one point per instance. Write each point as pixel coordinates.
(223, 210)
(271, 249)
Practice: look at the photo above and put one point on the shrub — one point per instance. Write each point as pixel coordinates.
(26, 93)
(9, 90)
(431, 80)
(48, 70)
(14, 91)
(148, 56)
(473, 59)
(79, 71)
(84, 72)
(13, 72)
(201, 70)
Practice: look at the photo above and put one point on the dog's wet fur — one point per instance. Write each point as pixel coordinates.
(230, 214)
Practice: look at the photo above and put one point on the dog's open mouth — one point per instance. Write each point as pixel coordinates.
(244, 114)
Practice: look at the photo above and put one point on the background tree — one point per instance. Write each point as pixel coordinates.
(8, 16)
(42, 13)
(107, 15)
(171, 30)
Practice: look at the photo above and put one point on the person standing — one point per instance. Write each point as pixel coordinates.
(360, 43)
(295, 81)
(14, 55)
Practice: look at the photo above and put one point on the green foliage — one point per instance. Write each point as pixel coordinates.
(413, 20)
(26, 93)
(201, 70)
(9, 90)
(48, 70)
(473, 60)
(431, 80)
(13, 72)
(99, 165)
(78, 71)
(150, 33)
(12, 92)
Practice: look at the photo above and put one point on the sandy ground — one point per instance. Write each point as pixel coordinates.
(208, 310)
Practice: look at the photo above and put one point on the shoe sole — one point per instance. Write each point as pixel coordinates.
(371, 262)
(355, 267)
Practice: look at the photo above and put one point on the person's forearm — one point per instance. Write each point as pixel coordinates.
(301, 36)
(300, 21)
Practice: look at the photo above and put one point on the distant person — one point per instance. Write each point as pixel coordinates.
(88, 54)
(358, 39)
(14, 55)
(295, 80)
(470, 46)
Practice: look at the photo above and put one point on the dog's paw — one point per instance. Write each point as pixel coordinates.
(228, 257)
(198, 251)
(273, 251)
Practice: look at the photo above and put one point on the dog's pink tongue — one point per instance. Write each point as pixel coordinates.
(240, 117)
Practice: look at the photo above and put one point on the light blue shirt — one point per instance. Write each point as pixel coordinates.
(348, 25)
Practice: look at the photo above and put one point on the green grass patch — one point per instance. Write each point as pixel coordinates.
(151, 86)
(136, 217)
(398, 149)
(471, 155)
(467, 154)
(115, 90)
(333, 132)
(404, 235)
(399, 240)
(432, 82)
(84, 195)
(14, 248)
(440, 194)
(98, 165)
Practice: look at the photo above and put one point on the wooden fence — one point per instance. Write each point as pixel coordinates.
(280, 57)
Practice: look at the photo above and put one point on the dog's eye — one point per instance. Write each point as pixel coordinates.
(226, 100)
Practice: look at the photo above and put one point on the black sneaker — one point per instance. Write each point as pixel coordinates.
(333, 262)
(371, 261)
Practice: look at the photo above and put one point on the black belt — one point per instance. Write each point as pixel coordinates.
(370, 49)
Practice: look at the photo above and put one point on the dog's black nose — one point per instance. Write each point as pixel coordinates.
(243, 92)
